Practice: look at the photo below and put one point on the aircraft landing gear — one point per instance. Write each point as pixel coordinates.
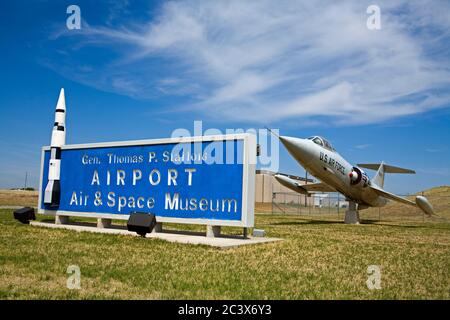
(352, 214)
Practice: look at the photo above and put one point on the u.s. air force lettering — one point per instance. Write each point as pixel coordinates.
(332, 163)
(198, 181)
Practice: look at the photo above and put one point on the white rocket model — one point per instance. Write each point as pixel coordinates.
(53, 189)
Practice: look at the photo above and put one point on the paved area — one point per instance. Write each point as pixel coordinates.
(223, 242)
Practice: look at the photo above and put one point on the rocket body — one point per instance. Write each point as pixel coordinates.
(53, 189)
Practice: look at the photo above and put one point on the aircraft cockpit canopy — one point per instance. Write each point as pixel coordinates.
(322, 142)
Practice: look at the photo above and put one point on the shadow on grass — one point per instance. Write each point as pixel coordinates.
(306, 222)
(363, 222)
(419, 225)
(124, 227)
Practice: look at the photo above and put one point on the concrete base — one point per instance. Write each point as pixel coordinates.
(212, 231)
(259, 233)
(158, 227)
(61, 219)
(352, 214)
(222, 241)
(104, 223)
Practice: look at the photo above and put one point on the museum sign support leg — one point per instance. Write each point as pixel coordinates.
(61, 219)
(212, 231)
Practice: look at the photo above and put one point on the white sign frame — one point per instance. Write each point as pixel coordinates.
(248, 179)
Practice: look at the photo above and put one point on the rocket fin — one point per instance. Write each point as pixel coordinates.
(48, 192)
(52, 193)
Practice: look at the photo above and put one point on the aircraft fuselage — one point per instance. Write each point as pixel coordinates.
(331, 168)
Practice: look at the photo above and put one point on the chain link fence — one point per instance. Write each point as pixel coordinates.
(333, 206)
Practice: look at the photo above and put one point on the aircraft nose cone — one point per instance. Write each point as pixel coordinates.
(298, 148)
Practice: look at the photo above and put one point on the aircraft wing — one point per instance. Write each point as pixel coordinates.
(392, 196)
(318, 187)
(303, 188)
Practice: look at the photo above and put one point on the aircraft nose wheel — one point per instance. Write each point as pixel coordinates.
(352, 214)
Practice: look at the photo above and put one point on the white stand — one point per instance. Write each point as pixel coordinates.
(352, 214)
(158, 227)
(104, 223)
(61, 219)
(212, 231)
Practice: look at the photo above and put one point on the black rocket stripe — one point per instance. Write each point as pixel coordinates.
(60, 110)
(55, 153)
(56, 193)
(60, 128)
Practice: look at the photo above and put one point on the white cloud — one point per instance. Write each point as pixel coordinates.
(444, 172)
(266, 61)
(435, 150)
(362, 146)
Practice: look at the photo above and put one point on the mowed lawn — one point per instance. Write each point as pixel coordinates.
(316, 260)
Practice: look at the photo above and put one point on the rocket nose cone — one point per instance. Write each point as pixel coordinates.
(61, 100)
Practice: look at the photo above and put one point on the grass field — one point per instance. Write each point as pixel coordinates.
(317, 260)
(18, 198)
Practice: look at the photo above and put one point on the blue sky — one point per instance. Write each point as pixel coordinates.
(141, 69)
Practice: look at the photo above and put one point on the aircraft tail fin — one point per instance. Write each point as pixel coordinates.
(383, 168)
(378, 179)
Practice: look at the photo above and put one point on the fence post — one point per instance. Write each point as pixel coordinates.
(423, 213)
(338, 202)
(273, 198)
(309, 207)
(329, 203)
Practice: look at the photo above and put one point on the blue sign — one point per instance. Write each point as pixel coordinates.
(196, 181)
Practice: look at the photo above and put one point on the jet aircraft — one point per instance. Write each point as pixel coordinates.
(317, 156)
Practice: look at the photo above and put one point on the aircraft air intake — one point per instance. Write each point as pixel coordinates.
(354, 176)
(358, 178)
